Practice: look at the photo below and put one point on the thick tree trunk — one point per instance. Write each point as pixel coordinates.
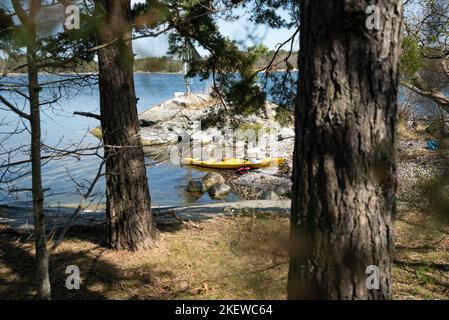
(128, 200)
(344, 163)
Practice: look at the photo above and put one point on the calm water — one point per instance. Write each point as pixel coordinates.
(60, 127)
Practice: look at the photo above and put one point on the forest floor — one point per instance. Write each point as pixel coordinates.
(238, 257)
(244, 257)
(421, 266)
(224, 258)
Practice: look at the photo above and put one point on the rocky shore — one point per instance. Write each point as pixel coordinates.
(180, 122)
(179, 127)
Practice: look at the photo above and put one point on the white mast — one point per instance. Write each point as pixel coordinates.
(188, 55)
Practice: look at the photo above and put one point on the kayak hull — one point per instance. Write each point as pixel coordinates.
(234, 164)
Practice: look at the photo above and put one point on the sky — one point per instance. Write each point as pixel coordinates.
(243, 31)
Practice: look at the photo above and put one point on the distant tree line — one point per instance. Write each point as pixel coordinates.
(150, 64)
(283, 60)
(158, 64)
(166, 64)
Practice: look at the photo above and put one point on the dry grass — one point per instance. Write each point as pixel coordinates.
(422, 257)
(226, 258)
(233, 258)
(421, 269)
(406, 134)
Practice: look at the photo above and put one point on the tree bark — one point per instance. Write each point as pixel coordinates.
(42, 257)
(128, 199)
(344, 163)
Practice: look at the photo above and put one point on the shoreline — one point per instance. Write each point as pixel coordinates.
(15, 74)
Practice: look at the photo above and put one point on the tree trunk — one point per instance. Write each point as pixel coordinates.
(128, 200)
(344, 163)
(42, 274)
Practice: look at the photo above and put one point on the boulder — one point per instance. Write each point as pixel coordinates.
(195, 186)
(218, 191)
(161, 113)
(211, 179)
(270, 195)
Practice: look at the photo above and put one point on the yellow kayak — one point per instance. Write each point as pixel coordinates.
(234, 164)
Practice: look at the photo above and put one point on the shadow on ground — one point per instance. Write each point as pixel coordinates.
(225, 258)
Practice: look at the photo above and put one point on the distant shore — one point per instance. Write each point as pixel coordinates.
(83, 73)
(16, 74)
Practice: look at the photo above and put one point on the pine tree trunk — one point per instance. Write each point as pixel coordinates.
(128, 200)
(344, 163)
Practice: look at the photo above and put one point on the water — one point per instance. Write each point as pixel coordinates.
(61, 128)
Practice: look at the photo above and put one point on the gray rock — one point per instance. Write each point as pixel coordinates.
(286, 133)
(284, 192)
(218, 191)
(211, 179)
(163, 112)
(195, 186)
(270, 195)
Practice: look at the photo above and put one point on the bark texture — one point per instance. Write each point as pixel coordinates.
(344, 163)
(42, 258)
(28, 21)
(128, 199)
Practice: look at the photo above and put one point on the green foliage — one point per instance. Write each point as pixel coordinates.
(267, 12)
(158, 64)
(233, 70)
(6, 22)
(285, 116)
(213, 118)
(244, 94)
(411, 58)
(150, 14)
